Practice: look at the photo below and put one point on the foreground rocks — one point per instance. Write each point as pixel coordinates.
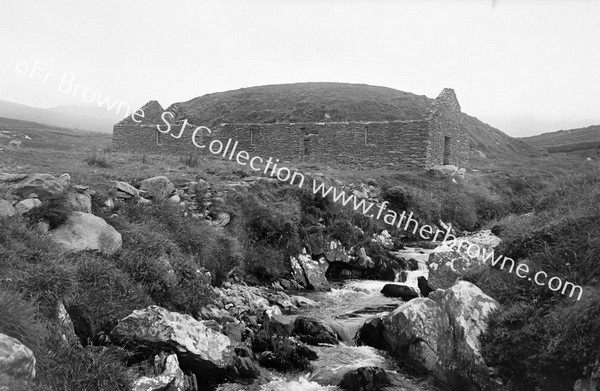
(45, 186)
(197, 346)
(85, 231)
(436, 333)
(17, 364)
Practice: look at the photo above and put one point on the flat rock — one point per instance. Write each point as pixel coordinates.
(158, 187)
(199, 347)
(5, 177)
(17, 362)
(26, 205)
(80, 202)
(85, 231)
(402, 291)
(44, 185)
(6, 209)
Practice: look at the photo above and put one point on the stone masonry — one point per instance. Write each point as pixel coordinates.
(438, 138)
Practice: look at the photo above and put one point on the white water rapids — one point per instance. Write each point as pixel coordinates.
(350, 305)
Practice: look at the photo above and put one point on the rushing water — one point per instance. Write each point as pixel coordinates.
(347, 306)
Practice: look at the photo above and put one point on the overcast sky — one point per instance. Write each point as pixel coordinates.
(525, 67)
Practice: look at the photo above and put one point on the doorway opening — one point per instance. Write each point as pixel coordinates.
(447, 150)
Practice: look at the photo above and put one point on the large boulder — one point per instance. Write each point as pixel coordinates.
(313, 271)
(402, 291)
(157, 188)
(412, 332)
(365, 379)
(84, 231)
(125, 190)
(17, 363)
(80, 202)
(198, 347)
(371, 333)
(313, 331)
(26, 205)
(440, 334)
(468, 309)
(6, 209)
(298, 272)
(275, 323)
(44, 185)
(336, 252)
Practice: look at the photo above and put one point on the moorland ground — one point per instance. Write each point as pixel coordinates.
(546, 209)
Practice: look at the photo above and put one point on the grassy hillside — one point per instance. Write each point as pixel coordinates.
(567, 140)
(49, 137)
(321, 102)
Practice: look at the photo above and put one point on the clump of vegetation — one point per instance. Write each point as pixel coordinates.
(98, 159)
(536, 330)
(55, 211)
(190, 160)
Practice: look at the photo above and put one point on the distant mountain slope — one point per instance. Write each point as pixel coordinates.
(73, 117)
(567, 140)
(36, 135)
(494, 143)
(323, 102)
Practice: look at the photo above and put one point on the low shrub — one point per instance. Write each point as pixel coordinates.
(98, 160)
(190, 160)
(55, 211)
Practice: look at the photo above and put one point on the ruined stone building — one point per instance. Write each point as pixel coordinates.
(439, 137)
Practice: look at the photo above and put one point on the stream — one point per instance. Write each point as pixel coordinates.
(348, 305)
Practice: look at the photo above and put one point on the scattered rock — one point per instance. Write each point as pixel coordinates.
(44, 185)
(27, 204)
(402, 291)
(424, 286)
(175, 199)
(125, 190)
(84, 231)
(17, 363)
(313, 331)
(365, 379)
(171, 378)
(313, 272)
(157, 188)
(5, 177)
(6, 209)
(144, 201)
(275, 323)
(363, 260)
(65, 180)
(221, 220)
(444, 171)
(301, 301)
(371, 333)
(385, 239)
(81, 202)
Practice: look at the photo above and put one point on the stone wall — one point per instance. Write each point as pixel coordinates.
(445, 121)
(417, 143)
